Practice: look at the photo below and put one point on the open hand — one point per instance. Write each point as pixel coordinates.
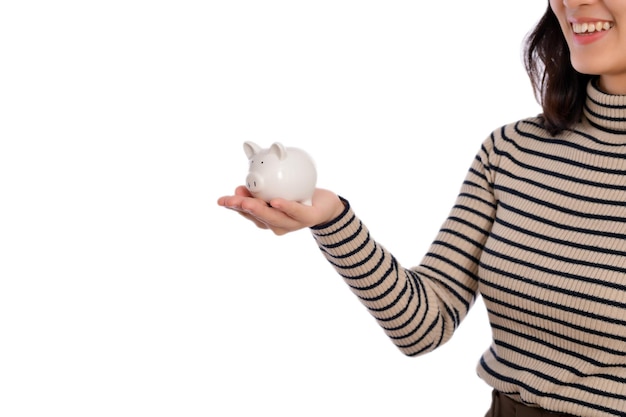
(283, 216)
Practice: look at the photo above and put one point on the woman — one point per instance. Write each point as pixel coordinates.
(538, 230)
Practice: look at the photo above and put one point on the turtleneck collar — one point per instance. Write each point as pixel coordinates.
(606, 112)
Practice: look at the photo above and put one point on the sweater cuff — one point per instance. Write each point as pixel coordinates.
(334, 221)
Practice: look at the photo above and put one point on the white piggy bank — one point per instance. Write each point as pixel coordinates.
(280, 172)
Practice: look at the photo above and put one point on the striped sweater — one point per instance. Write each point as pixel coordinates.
(539, 231)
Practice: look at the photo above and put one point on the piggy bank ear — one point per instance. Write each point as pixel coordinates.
(279, 150)
(251, 149)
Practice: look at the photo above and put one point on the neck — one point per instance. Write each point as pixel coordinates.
(613, 84)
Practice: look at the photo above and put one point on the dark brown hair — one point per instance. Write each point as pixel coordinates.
(558, 87)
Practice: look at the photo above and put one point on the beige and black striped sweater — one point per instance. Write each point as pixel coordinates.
(539, 230)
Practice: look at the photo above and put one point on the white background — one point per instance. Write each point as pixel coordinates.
(126, 291)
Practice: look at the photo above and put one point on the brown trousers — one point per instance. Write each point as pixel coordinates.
(503, 406)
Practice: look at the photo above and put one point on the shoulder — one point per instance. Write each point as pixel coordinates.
(527, 129)
(518, 133)
(513, 139)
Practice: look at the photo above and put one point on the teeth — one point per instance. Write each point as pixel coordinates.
(591, 27)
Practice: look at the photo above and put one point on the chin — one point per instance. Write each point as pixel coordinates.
(586, 68)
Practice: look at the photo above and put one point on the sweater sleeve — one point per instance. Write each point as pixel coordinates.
(420, 307)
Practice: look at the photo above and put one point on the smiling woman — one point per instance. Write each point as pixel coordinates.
(594, 31)
(536, 232)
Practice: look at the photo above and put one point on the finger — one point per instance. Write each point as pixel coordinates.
(263, 223)
(234, 200)
(225, 201)
(274, 218)
(243, 191)
(230, 201)
(238, 201)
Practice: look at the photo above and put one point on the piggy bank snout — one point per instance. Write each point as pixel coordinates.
(254, 181)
